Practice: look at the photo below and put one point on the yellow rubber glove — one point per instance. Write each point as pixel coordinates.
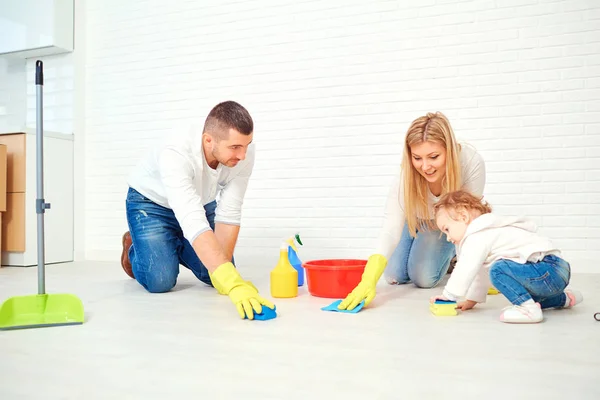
(243, 294)
(365, 290)
(217, 285)
(221, 289)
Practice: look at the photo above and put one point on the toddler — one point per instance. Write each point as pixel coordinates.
(524, 266)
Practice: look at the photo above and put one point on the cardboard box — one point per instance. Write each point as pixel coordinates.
(3, 176)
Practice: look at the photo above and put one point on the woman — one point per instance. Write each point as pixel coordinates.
(411, 246)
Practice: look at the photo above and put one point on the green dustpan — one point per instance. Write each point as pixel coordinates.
(40, 310)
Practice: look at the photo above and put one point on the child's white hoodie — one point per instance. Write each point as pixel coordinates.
(488, 238)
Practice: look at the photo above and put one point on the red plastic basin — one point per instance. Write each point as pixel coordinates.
(334, 278)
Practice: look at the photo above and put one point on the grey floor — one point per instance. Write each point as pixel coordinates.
(190, 343)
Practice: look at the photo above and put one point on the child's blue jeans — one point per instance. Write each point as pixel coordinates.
(158, 245)
(423, 260)
(544, 281)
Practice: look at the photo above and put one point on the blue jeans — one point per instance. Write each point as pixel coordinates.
(158, 245)
(424, 260)
(543, 282)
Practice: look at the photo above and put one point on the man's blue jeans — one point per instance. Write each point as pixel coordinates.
(424, 260)
(158, 245)
(544, 281)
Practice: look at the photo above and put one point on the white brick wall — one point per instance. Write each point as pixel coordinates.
(332, 87)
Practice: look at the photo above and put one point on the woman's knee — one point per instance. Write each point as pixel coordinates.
(395, 272)
(429, 259)
(395, 280)
(427, 275)
(426, 282)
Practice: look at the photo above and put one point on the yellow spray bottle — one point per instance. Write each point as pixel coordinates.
(284, 278)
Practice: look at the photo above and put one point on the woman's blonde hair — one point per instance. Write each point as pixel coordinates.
(432, 127)
(461, 200)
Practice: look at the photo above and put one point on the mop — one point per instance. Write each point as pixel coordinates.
(41, 310)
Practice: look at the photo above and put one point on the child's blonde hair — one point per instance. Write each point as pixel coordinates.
(432, 127)
(461, 200)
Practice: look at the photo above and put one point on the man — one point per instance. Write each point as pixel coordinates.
(173, 215)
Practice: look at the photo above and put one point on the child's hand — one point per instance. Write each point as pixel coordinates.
(466, 305)
(439, 297)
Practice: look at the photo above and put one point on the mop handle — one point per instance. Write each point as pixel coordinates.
(40, 204)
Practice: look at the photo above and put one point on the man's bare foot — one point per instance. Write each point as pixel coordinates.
(125, 263)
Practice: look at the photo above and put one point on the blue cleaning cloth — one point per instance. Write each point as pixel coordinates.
(333, 307)
(267, 313)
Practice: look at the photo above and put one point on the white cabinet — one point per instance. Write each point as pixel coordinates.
(19, 228)
(34, 28)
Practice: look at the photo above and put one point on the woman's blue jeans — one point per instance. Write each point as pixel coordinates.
(158, 245)
(544, 281)
(423, 260)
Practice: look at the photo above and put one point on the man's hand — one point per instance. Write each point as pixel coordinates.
(247, 301)
(466, 305)
(365, 290)
(243, 294)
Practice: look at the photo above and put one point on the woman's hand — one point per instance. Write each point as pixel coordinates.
(466, 305)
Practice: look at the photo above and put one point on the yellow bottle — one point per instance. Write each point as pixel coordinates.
(284, 278)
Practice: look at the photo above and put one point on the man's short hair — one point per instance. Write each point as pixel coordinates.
(228, 115)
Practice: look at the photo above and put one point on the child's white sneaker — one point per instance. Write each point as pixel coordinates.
(574, 297)
(524, 314)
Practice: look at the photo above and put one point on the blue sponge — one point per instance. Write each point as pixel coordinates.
(439, 301)
(267, 313)
(334, 307)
